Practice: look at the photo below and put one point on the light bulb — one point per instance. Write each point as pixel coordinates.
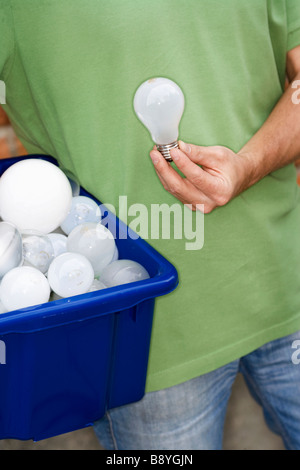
(95, 242)
(22, 287)
(83, 209)
(34, 195)
(70, 274)
(59, 243)
(159, 104)
(123, 271)
(38, 250)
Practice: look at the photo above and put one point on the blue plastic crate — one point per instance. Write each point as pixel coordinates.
(67, 361)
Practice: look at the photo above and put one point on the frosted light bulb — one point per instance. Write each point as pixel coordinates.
(23, 287)
(95, 242)
(123, 271)
(34, 195)
(83, 209)
(70, 274)
(159, 104)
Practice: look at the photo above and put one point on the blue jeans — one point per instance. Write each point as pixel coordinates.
(191, 415)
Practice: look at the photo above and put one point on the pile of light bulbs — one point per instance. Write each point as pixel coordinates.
(52, 242)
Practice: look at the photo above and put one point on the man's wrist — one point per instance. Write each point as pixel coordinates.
(249, 169)
(253, 166)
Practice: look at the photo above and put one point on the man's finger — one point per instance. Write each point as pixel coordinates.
(181, 188)
(169, 178)
(194, 173)
(201, 155)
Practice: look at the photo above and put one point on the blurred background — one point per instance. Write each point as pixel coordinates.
(245, 428)
(10, 146)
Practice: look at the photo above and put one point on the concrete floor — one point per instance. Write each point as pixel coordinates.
(245, 429)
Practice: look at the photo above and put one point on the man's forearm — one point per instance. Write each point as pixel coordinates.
(277, 143)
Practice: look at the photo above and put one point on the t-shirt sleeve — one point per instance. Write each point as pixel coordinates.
(6, 38)
(293, 23)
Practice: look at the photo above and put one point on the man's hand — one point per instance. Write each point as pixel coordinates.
(212, 175)
(215, 175)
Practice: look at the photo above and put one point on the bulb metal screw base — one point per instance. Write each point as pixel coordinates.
(165, 150)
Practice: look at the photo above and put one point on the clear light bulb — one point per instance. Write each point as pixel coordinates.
(159, 104)
(38, 250)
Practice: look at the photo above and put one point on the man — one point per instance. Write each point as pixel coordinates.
(71, 69)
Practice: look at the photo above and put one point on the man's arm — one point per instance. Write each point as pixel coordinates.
(223, 174)
(277, 143)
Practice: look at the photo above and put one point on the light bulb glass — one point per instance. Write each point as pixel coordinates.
(95, 242)
(22, 287)
(59, 243)
(70, 274)
(34, 195)
(83, 209)
(38, 250)
(159, 104)
(123, 271)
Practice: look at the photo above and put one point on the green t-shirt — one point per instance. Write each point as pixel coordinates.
(72, 68)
